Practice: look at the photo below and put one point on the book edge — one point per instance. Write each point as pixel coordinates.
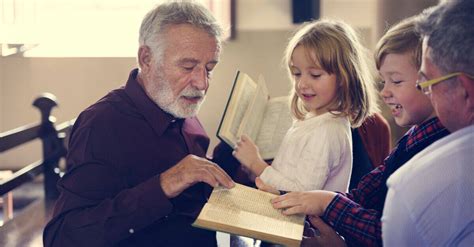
(221, 227)
(223, 139)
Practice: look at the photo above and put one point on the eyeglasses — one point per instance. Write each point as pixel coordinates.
(425, 86)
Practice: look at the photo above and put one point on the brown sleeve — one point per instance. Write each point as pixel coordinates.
(375, 135)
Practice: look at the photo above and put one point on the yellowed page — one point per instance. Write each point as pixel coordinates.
(254, 115)
(242, 97)
(246, 208)
(276, 122)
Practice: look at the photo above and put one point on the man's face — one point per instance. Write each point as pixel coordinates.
(179, 81)
(444, 98)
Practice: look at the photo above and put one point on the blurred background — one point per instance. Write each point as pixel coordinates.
(80, 50)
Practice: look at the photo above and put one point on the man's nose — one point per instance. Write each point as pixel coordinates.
(200, 79)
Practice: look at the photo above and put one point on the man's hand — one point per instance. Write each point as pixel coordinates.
(308, 202)
(325, 236)
(247, 153)
(265, 187)
(191, 170)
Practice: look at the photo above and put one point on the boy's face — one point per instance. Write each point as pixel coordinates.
(408, 105)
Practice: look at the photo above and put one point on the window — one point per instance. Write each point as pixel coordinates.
(85, 28)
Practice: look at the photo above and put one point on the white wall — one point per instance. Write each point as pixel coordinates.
(76, 82)
(263, 28)
(264, 15)
(1, 95)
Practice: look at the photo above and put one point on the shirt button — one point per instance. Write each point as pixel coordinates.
(131, 231)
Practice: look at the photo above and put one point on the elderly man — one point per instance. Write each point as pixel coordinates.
(136, 162)
(429, 202)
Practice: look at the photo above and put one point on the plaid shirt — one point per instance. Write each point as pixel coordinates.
(354, 215)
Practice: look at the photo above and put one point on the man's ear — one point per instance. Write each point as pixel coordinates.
(467, 84)
(144, 58)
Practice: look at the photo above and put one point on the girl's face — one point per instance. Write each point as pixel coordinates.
(408, 105)
(315, 87)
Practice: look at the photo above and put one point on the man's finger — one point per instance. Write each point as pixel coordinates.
(329, 236)
(203, 170)
(202, 175)
(319, 224)
(308, 230)
(310, 242)
(221, 176)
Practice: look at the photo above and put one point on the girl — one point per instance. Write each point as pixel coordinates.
(333, 90)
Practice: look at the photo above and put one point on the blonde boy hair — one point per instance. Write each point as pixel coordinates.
(399, 39)
(335, 47)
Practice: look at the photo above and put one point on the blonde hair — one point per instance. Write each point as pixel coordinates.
(335, 47)
(399, 39)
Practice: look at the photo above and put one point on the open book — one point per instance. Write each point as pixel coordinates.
(251, 111)
(246, 211)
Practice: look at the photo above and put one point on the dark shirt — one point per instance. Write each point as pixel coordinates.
(356, 215)
(111, 193)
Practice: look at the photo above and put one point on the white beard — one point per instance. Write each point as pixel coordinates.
(161, 93)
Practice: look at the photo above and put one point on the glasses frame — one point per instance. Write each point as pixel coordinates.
(425, 86)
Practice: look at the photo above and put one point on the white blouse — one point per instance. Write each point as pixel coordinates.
(316, 153)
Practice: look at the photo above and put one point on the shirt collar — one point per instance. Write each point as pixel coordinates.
(158, 119)
(418, 133)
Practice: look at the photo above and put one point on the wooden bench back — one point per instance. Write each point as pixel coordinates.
(52, 138)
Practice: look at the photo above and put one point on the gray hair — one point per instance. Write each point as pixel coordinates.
(450, 29)
(173, 13)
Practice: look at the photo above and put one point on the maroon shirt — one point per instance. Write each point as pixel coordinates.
(111, 193)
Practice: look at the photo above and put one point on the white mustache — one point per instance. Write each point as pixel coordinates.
(190, 92)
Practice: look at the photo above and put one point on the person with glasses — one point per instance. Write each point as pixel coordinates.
(429, 201)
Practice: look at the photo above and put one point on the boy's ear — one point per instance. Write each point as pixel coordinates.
(144, 58)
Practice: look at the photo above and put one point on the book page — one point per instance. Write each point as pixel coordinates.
(254, 115)
(248, 208)
(244, 198)
(244, 99)
(240, 99)
(276, 122)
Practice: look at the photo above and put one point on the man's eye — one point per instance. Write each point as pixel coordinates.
(315, 75)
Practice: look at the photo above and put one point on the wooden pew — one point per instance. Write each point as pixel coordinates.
(26, 228)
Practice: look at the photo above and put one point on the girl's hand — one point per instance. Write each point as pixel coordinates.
(247, 153)
(308, 202)
(265, 187)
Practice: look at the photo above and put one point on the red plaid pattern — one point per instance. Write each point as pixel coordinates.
(352, 214)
